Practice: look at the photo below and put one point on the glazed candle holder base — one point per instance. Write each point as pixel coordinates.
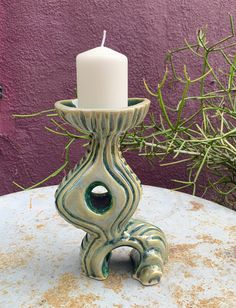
(106, 216)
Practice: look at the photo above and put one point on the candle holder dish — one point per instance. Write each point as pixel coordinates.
(106, 217)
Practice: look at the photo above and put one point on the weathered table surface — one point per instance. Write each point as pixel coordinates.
(39, 255)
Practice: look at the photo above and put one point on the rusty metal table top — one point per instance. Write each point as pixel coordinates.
(39, 255)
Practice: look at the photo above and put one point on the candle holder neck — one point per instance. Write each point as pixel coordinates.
(106, 216)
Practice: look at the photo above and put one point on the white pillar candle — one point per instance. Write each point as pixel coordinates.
(102, 78)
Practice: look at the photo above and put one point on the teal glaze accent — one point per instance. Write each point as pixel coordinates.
(132, 102)
(105, 266)
(90, 203)
(109, 225)
(69, 104)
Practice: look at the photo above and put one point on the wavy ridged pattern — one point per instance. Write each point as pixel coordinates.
(109, 226)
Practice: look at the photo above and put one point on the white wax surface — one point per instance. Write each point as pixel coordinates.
(102, 79)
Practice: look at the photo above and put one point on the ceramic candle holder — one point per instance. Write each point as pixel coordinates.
(106, 216)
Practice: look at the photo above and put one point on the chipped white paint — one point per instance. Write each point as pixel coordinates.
(39, 255)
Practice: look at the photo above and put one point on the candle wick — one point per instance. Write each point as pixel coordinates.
(104, 38)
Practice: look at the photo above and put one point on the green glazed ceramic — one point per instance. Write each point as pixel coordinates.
(106, 216)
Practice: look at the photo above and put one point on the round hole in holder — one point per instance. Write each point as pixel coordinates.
(98, 197)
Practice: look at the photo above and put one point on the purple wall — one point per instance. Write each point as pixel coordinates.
(39, 41)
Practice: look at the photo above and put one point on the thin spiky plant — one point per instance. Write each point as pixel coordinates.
(203, 139)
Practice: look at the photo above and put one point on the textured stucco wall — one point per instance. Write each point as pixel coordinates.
(39, 41)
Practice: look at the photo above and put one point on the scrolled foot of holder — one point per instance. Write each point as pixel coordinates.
(106, 217)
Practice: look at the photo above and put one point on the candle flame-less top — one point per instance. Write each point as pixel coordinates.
(104, 37)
